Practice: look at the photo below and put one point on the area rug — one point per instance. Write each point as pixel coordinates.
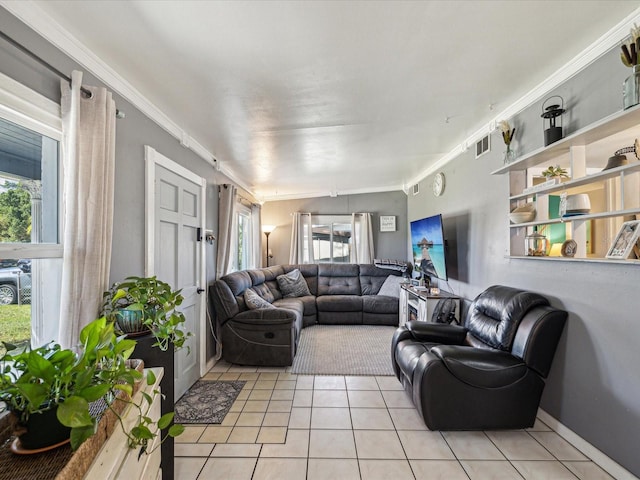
(344, 350)
(207, 401)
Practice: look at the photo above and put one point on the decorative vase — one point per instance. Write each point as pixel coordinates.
(509, 155)
(630, 93)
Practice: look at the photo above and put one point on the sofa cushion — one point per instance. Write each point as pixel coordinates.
(295, 305)
(339, 303)
(391, 286)
(270, 275)
(338, 279)
(310, 273)
(372, 278)
(379, 304)
(293, 284)
(264, 291)
(480, 367)
(255, 301)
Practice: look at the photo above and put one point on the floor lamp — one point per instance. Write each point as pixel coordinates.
(267, 229)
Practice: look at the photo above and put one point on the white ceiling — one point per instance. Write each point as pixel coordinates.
(310, 98)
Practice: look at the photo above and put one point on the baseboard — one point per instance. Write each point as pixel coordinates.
(609, 465)
(210, 363)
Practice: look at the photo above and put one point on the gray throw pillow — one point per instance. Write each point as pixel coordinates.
(391, 286)
(293, 284)
(254, 301)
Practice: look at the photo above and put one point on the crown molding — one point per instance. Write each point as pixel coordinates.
(602, 45)
(334, 193)
(35, 18)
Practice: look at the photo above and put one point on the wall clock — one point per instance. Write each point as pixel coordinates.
(438, 184)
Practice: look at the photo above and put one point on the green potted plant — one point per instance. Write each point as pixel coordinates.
(555, 172)
(57, 386)
(146, 304)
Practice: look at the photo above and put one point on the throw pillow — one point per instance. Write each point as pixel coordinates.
(391, 286)
(254, 301)
(293, 284)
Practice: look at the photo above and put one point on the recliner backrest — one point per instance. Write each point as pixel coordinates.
(496, 313)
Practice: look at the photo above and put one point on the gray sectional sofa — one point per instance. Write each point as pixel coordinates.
(338, 294)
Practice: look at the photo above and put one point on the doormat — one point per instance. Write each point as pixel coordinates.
(207, 401)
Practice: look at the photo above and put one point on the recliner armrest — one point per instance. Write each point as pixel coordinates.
(436, 332)
(265, 316)
(485, 368)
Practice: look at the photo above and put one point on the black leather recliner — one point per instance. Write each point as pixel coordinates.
(486, 374)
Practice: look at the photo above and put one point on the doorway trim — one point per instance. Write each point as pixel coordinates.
(152, 159)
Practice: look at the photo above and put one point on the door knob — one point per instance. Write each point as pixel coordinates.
(200, 290)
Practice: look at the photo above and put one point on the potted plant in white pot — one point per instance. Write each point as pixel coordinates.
(50, 389)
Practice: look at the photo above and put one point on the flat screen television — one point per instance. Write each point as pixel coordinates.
(427, 244)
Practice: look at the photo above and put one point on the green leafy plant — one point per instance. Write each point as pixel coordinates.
(39, 379)
(156, 301)
(556, 171)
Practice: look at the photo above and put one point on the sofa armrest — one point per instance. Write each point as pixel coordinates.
(436, 332)
(265, 316)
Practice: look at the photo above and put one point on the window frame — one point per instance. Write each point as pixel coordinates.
(331, 220)
(242, 210)
(31, 110)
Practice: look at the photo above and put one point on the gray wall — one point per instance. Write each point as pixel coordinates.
(132, 133)
(594, 386)
(390, 245)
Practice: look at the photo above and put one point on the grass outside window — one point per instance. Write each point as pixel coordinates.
(15, 324)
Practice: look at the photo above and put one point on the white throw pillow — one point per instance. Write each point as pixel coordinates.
(391, 286)
(255, 301)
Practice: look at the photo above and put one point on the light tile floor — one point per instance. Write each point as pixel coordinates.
(305, 427)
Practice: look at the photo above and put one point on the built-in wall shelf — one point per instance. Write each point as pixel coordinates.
(613, 194)
(579, 182)
(573, 259)
(573, 218)
(595, 132)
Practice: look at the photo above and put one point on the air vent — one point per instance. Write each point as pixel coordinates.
(483, 146)
(416, 189)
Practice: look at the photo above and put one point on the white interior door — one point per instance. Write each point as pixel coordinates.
(176, 218)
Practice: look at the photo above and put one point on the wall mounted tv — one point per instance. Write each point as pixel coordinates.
(428, 247)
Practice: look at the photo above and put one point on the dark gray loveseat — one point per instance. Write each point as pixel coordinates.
(339, 294)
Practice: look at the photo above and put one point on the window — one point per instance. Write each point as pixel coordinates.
(331, 236)
(30, 271)
(244, 240)
(243, 235)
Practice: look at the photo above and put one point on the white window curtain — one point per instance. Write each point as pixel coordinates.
(301, 239)
(362, 238)
(226, 205)
(256, 231)
(88, 157)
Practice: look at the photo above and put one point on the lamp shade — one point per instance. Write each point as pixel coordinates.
(268, 228)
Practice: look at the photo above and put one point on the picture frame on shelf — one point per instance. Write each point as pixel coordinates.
(625, 240)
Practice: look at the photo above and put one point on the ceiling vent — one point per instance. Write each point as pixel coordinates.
(416, 189)
(483, 146)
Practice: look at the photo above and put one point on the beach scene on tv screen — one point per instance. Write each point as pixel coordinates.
(427, 242)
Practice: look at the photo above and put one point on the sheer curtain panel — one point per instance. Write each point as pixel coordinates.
(226, 205)
(362, 238)
(88, 158)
